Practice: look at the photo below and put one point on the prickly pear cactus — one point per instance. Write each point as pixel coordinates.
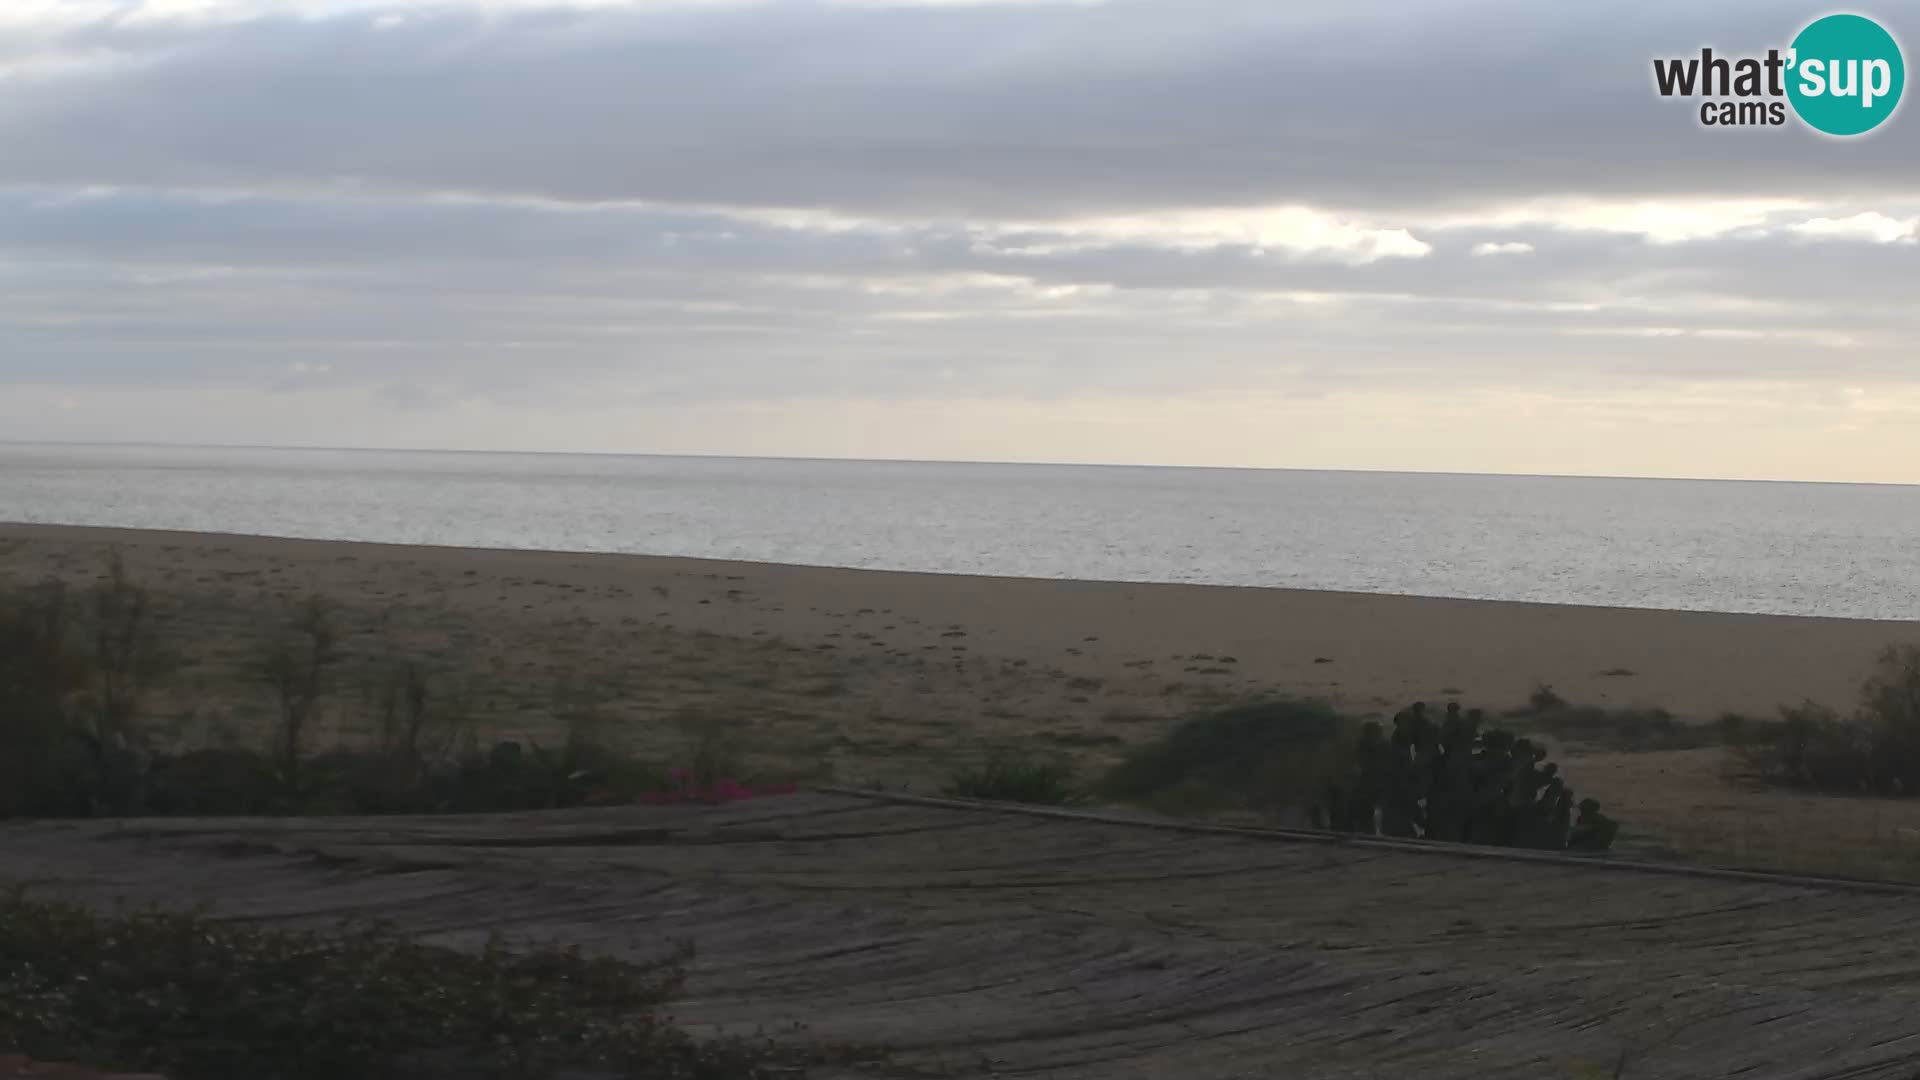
(1593, 831)
(1454, 779)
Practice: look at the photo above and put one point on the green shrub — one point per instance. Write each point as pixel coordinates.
(206, 1000)
(241, 782)
(1873, 750)
(75, 668)
(508, 777)
(298, 665)
(1630, 729)
(514, 777)
(44, 766)
(1545, 698)
(1269, 757)
(1890, 708)
(715, 756)
(1007, 779)
(222, 781)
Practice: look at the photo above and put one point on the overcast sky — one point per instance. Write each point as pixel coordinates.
(1463, 236)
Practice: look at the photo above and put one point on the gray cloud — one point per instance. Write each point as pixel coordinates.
(999, 110)
(487, 297)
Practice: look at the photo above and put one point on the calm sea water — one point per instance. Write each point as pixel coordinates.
(1806, 549)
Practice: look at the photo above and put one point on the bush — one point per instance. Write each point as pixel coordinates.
(206, 1000)
(508, 777)
(297, 664)
(234, 781)
(74, 672)
(1625, 729)
(1006, 779)
(45, 768)
(1269, 757)
(531, 777)
(227, 781)
(1875, 750)
(1890, 709)
(75, 669)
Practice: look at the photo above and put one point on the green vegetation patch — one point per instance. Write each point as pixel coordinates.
(1874, 750)
(1448, 778)
(78, 665)
(1004, 778)
(200, 999)
(1631, 729)
(1266, 757)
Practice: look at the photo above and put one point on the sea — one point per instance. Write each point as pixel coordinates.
(1846, 550)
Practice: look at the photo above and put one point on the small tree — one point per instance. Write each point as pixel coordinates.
(1873, 750)
(74, 670)
(1890, 703)
(297, 666)
(402, 704)
(125, 657)
(42, 674)
(126, 662)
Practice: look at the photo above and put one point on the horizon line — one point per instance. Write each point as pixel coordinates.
(943, 461)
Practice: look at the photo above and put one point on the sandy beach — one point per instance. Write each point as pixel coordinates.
(887, 678)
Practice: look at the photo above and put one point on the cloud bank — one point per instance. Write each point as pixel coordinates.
(1204, 231)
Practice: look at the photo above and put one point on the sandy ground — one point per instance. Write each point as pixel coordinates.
(887, 678)
(977, 942)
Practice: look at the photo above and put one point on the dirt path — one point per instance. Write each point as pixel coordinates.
(983, 943)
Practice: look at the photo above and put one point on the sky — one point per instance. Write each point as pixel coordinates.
(1383, 234)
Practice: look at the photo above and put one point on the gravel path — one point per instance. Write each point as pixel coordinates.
(984, 943)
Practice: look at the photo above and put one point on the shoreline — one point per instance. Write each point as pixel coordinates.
(134, 534)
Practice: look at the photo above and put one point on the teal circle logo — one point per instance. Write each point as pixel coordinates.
(1845, 75)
